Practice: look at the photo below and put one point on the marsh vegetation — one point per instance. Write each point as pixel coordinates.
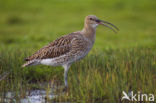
(126, 61)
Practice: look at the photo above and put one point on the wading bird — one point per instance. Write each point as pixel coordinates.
(69, 48)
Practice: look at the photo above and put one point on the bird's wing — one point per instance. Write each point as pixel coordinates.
(56, 48)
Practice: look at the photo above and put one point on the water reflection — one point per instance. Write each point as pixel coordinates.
(33, 96)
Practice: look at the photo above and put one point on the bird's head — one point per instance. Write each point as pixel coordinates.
(93, 21)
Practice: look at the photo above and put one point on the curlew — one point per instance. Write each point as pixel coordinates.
(69, 48)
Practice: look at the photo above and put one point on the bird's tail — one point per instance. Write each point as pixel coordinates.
(30, 63)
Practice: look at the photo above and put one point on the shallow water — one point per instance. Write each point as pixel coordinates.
(33, 96)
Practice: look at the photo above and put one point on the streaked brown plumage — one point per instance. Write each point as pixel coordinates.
(56, 48)
(69, 48)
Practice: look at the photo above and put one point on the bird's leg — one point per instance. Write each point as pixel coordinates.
(66, 68)
(65, 77)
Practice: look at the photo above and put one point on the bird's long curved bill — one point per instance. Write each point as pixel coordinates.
(105, 23)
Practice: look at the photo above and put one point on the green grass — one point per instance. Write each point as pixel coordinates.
(101, 76)
(116, 63)
(38, 22)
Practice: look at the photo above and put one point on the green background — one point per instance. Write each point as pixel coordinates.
(123, 61)
(35, 23)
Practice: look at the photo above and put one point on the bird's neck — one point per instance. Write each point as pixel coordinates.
(89, 31)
